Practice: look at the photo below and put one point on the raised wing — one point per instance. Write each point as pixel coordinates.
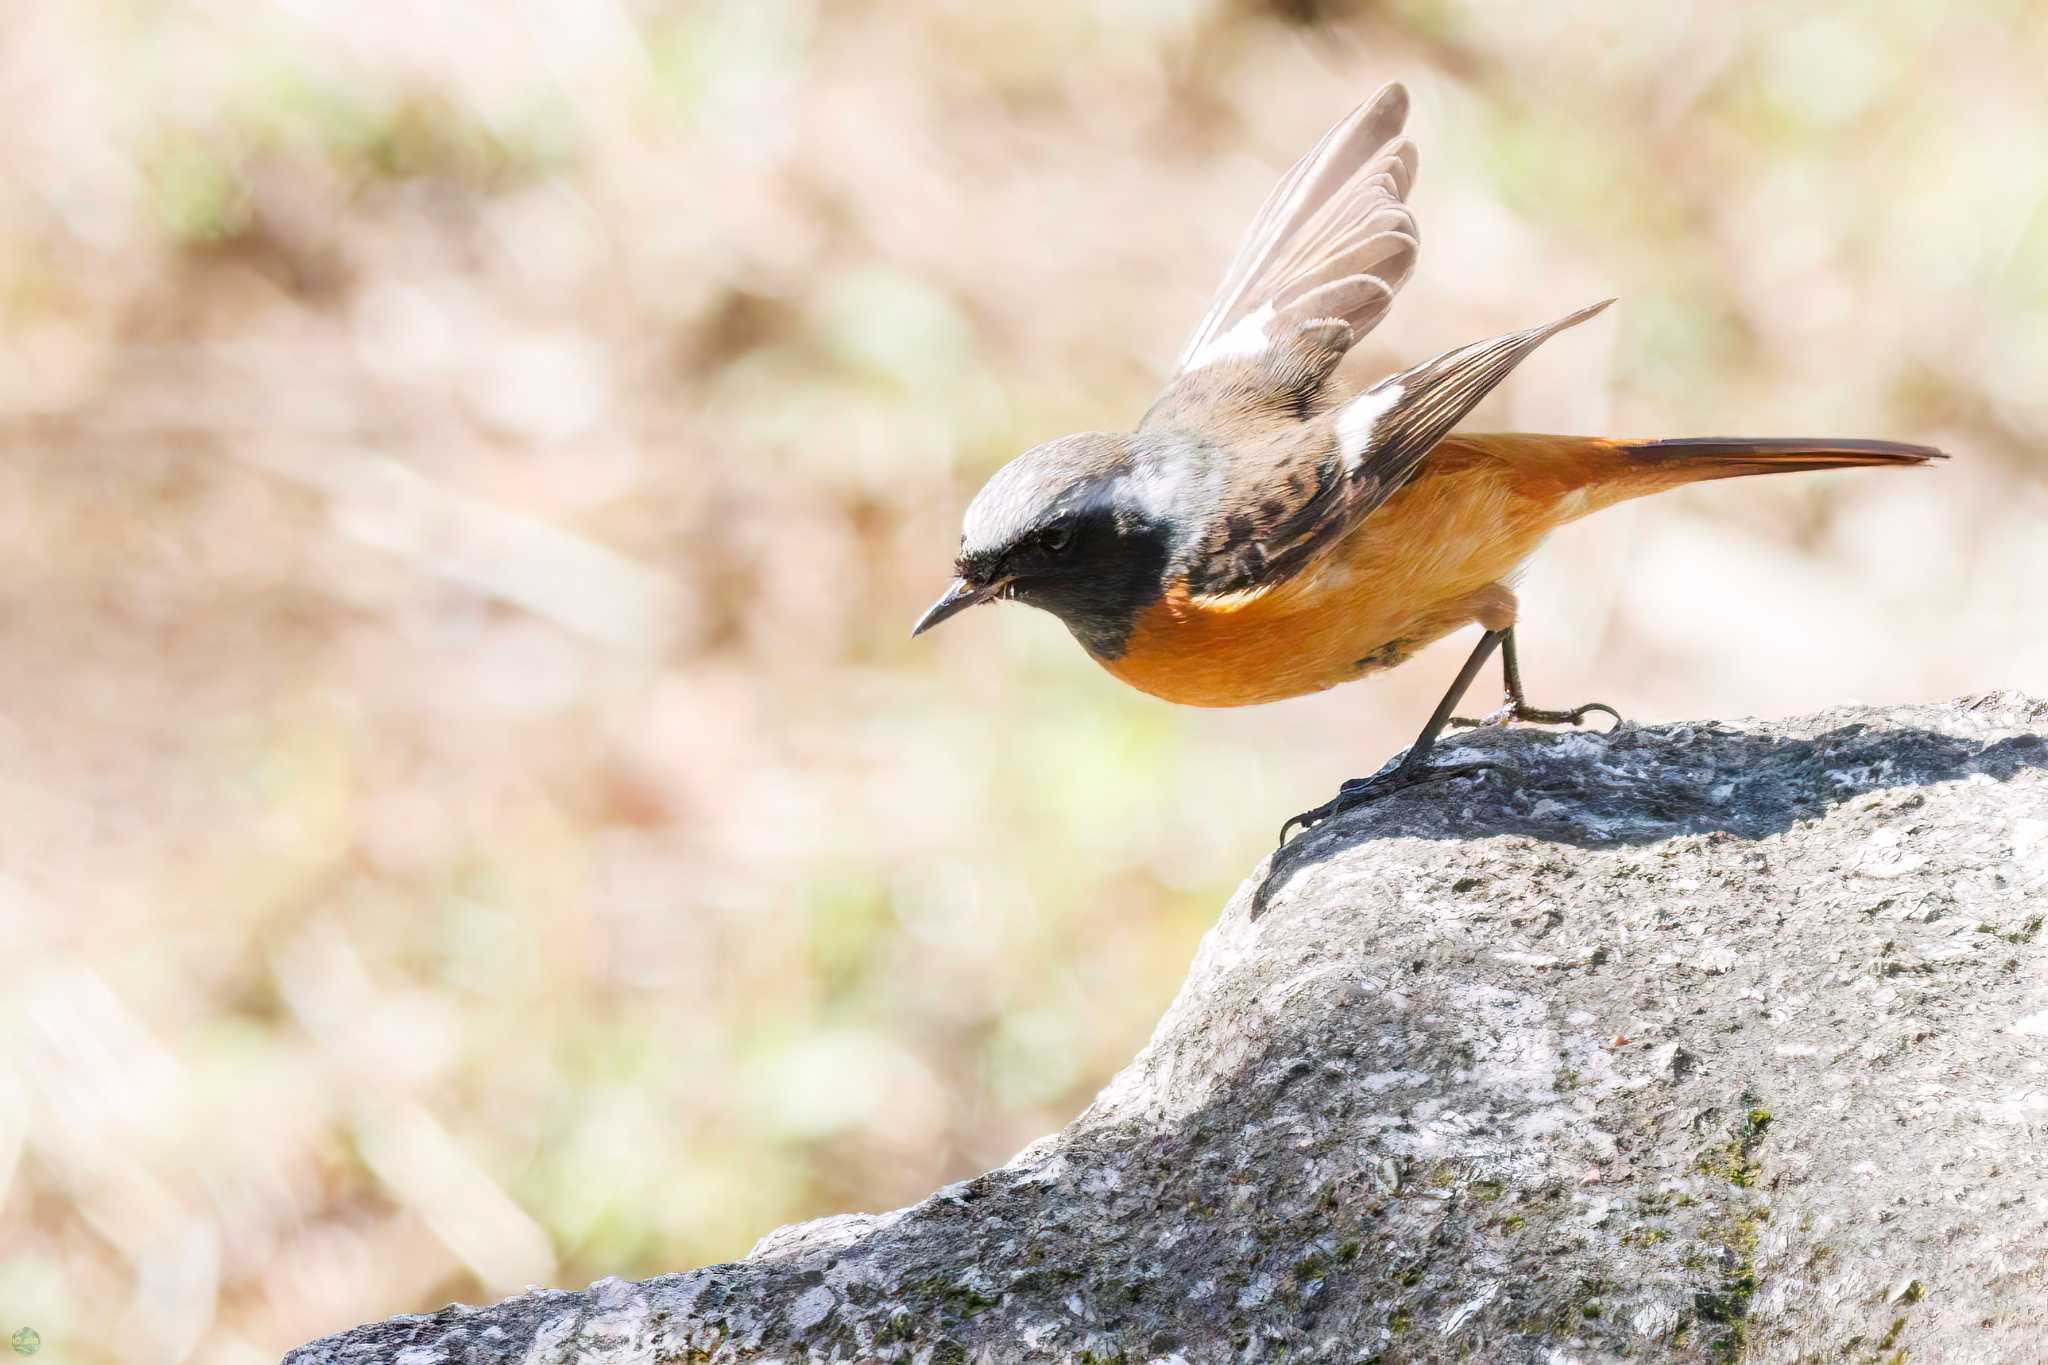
(1386, 431)
(1333, 242)
(1297, 491)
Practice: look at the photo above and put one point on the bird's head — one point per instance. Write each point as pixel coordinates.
(1080, 527)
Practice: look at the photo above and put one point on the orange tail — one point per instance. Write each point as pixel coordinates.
(1615, 471)
(1574, 475)
(1663, 463)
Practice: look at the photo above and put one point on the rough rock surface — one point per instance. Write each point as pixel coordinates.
(1689, 1042)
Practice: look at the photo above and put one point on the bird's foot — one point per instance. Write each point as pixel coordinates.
(1535, 715)
(1360, 790)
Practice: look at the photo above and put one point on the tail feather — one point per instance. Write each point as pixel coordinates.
(1693, 458)
(1577, 475)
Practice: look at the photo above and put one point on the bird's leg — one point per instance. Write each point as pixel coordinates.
(1517, 705)
(1413, 768)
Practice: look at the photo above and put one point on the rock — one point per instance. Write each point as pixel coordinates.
(1685, 1042)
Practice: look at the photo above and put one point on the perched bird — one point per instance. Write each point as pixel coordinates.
(1261, 536)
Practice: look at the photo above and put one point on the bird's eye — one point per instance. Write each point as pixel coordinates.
(1057, 538)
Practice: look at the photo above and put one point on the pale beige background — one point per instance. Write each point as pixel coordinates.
(469, 814)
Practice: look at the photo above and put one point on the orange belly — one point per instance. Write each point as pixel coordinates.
(1432, 559)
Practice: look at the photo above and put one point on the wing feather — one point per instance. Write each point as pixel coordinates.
(1302, 489)
(1388, 430)
(1339, 212)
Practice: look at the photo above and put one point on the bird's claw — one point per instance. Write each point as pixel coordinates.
(1536, 715)
(1574, 716)
(1360, 790)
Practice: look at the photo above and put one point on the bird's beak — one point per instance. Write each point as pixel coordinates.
(955, 600)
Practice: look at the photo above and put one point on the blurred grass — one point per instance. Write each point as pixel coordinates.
(469, 813)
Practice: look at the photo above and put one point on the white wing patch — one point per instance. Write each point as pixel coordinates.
(1358, 421)
(1246, 337)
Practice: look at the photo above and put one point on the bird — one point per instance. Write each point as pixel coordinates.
(1262, 533)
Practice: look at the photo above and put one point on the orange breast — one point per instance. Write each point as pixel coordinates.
(1418, 568)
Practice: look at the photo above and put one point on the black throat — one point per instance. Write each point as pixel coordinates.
(1101, 593)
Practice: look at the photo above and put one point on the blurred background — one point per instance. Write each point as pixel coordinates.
(469, 812)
